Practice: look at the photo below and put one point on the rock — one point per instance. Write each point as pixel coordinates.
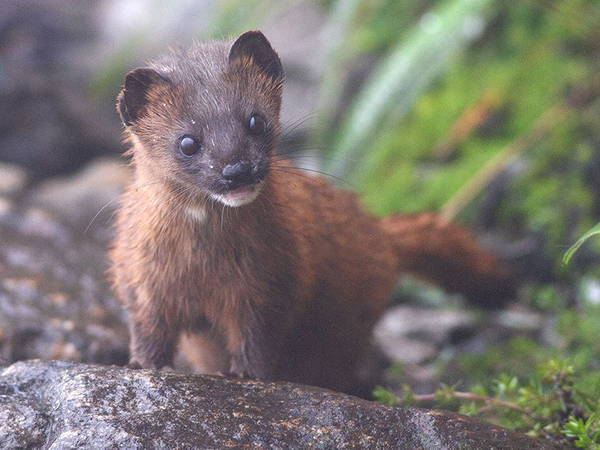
(88, 199)
(51, 119)
(520, 319)
(412, 335)
(12, 179)
(55, 302)
(66, 405)
(404, 350)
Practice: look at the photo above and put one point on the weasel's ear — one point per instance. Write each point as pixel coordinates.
(254, 44)
(133, 98)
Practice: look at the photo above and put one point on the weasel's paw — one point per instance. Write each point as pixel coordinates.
(234, 374)
(133, 364)
(237, 372)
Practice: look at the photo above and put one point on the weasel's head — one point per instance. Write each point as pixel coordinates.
(207, 119)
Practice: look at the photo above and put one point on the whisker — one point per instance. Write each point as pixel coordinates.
(290, 127)
(314, 171)
(107, 204)
(222, 214)
(319, 154)
(307, 176)
(98, 213)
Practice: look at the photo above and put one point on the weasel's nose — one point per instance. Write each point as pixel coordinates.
(238, 174)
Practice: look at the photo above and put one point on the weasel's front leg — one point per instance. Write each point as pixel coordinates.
(256, 346)
(152, 342)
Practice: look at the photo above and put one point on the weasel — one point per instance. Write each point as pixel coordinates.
(279, 275)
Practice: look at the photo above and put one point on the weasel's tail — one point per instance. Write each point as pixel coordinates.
(449, 255)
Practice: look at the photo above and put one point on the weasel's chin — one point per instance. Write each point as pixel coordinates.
(238, 197)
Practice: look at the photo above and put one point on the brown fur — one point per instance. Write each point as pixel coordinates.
(287, 287)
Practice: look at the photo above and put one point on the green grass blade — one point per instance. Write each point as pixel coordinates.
(569, 253)
(409, 68)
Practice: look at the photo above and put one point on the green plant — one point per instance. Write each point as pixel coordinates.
(586, 433)
(588, 234)
(549, 404)
(403, 74)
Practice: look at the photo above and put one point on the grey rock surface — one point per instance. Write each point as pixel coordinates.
(63, 405)
(413, 335)
(12, 179)
(55, 302)
(88, 199)
(49, 121)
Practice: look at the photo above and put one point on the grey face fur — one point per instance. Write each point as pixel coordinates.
(209, 93)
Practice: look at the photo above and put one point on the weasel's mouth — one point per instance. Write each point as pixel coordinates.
(239, 196)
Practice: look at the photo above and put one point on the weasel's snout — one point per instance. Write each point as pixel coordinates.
(239, 174)
(242, 173)
(240, 182)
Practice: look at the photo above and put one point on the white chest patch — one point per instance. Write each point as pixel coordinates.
(197, 213)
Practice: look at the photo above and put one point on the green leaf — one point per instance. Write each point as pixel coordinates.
(569, 253)
(385, 396)
(404, 73)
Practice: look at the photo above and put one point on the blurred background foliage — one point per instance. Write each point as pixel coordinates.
(487, 111)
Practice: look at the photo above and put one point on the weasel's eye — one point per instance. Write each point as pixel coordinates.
(188, 145)
(257, 125)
